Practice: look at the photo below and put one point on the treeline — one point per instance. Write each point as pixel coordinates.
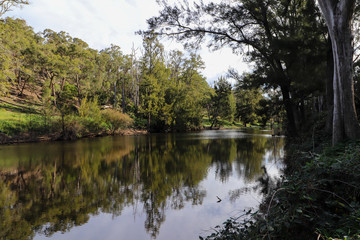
(291, 49)
(159, 90)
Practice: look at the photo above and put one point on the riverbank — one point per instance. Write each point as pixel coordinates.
(317, 198)
(23, 121)
(27, 138)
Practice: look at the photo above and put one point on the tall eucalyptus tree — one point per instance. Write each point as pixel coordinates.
(339, 15)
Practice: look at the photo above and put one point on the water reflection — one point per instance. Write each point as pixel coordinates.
(52, 187)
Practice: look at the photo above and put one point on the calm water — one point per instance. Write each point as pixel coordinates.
(133, 187)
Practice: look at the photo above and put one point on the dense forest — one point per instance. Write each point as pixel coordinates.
(72, 87)
(66, 78)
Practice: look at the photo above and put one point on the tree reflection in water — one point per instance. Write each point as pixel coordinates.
(48, 188)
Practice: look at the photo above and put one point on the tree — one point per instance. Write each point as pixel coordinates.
(54, 63)
(82, 67)
(117, 67)
(66, 102)
(220, 102)
(187, 91)
(6, 5)
(155, 77)
(248, 104)
(275, 32)
(357, 86)
(17, 63)
(338, 15)
(135, 73)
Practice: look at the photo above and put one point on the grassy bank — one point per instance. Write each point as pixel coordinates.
(318, 199)
(20, 123)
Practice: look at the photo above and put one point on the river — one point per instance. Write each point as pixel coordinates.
(158, 186)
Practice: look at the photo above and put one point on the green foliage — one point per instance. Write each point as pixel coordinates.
(286, 41)
(69, 78)
(67, 100)
(73, 128)
(16, 66)
(232, 107)
(115, 73)
(89, 108)
(221, 102)
(11, 128)
(29, 123)
(116, 120)
(173, 92)
(247, 105)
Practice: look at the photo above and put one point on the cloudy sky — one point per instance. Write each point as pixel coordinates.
(104, 22)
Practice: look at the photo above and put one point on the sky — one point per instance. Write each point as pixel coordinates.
(101, 23)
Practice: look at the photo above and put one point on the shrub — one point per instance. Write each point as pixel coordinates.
(12, 127)
(93, 125)
(72, 128)
(140, 123)
(36, 124)
(116, 120)
(89, 109)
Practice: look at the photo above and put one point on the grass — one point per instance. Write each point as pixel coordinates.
(6, 115)
(21, 122)
(19, 118)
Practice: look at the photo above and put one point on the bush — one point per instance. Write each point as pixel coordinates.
(93, 125)
(36, 124)
(12, 127)
(140, 123)
(116, 120)
(73, 128)
(30, 123)
(90, 109)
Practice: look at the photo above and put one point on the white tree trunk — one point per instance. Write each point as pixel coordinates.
(338, 15)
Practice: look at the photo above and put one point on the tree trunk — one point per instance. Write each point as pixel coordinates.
(289, 108)
(53, 93)
(344, 104)
(213, 124)
(338, 15)
(78, 88)
(329, 88)
(115, 100)
(149, 120)
(123, 96)
(63, 124)
(23, 87)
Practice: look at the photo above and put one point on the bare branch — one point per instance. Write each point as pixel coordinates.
(6, 5)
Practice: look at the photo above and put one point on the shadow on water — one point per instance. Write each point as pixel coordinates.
(53, 187)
